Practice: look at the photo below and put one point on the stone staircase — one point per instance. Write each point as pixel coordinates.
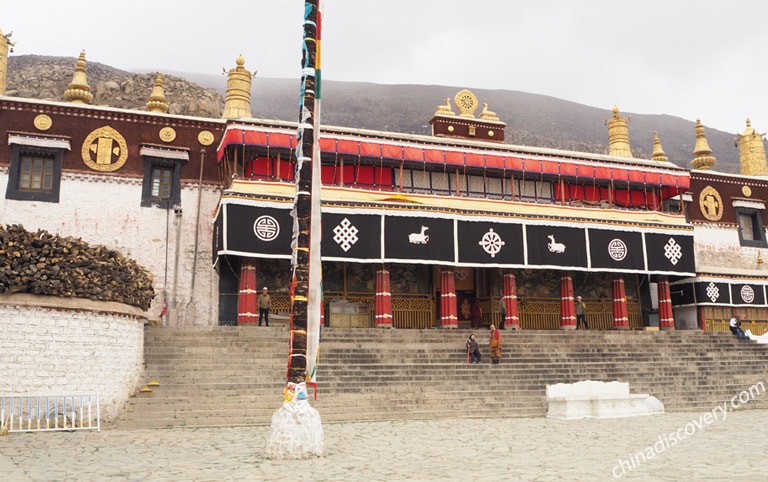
(228, 376)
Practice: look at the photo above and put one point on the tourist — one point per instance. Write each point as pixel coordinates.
(502, 312)
(473, 349)
(265, 303)
(495, 345)
(581, 313)
(735, 326)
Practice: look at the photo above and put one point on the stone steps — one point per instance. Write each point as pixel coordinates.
(227, 376)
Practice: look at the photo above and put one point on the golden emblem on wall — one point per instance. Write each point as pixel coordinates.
(167, 134)
(746, 190)
(711, 204)
(43, 122)
(205, 138)
(466, 102)
(105, 150)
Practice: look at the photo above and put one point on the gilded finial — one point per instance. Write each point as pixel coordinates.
(618, 135)
(487, 114)
(78, 91)
(752, 159)
(157, 102)
(658, 153)
(445, 109)
(5, 46)
(237, 102)
(702, 154)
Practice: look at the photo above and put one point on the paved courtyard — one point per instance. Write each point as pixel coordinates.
(708, 446)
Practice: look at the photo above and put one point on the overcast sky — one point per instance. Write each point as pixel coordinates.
(688, 58)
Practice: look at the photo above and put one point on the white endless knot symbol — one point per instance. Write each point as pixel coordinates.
(712, 291)
(673, 251)
(266, 228)
(491, 243)
(345, 234)
(617, 249)
(747, 294)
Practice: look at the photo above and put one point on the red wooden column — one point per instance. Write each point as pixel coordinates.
(247, 309)
(383, 311)
(666, 317)
(567, 309)
(509, 293)
(448, 313)
(620, 316)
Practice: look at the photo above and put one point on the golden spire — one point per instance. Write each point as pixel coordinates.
(5, 43)
(237, 103)
(487, 114)
(702, 154)
(445, 109)
(78, 91)
(157, 102)
(658, 152)
(752, 152)
(618, 135)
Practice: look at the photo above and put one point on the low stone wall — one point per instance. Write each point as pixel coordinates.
(61, 346)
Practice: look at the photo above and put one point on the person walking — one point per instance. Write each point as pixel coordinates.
(581, 313)
(265, 304)
(495, 345)
(473, 349)
(502, 312)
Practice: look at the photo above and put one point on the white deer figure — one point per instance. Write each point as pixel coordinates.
(555, 247)
(419, 238)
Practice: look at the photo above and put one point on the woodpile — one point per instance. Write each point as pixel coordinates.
(44, 264)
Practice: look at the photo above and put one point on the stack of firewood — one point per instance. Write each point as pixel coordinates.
(44, 264)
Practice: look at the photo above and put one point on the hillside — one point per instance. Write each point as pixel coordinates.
(532, 120)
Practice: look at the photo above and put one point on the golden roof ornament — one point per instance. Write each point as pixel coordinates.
(5, 46)
(487, 114)
(445, 109)
(237, 103)
(157, 102)
(658, 152)
(466, 102)
(702, 154)
(618, 135)
(78, 91)
(752, 159)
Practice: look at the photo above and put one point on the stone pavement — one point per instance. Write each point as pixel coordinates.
(709, 446)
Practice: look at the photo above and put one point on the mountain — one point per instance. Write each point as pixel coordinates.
(532, 119)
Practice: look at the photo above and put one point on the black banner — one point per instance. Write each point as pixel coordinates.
(619, 250)
(490, 243)
(426, 239)
(747, 294)
(670, 253)
(556, 246)
(351, 236)
(682, 294)
(258, 230)
(712, 292)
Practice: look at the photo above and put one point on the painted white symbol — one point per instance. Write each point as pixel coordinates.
(419, 238)
(713, 293)
(345, 234)
(266, 228)
(747, 294)
(617, 249)
(491, 243)
(673, 251)
(555, 247)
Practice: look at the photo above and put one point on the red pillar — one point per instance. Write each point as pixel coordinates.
(448, 313)
(620, 316)
(509, 288)
(247, 311)
(567, 309)
(383, 311)
(666, 316)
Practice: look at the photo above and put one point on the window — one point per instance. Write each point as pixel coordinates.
(162, 175)
(35, 174)
(751, 230)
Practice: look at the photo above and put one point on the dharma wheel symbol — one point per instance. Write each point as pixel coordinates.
(491, 243)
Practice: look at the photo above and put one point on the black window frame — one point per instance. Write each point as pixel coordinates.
(147, 199)
(19, 152)
(758, 229)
